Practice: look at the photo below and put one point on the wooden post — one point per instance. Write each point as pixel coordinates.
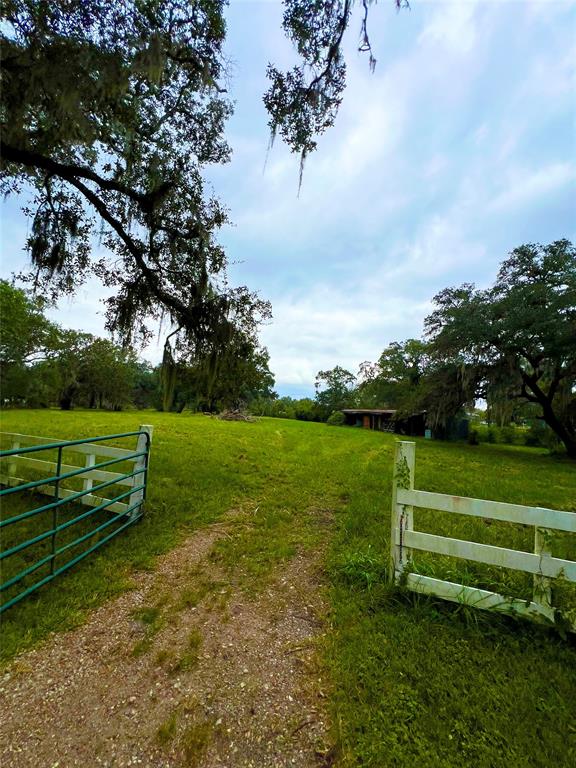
(144, 442)
(11, 469)
(542, 585)
(87, 481)
(402, 515)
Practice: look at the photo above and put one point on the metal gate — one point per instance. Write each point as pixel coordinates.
(40, 543)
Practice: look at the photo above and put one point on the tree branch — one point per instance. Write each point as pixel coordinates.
(334, 48)
(68, 172)
(169, 301)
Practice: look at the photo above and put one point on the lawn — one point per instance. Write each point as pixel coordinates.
(413, 681)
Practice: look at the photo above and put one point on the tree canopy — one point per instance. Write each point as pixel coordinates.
(334, 390)
(42, 364)
(394, 381)
(518, 338)
(110, 111)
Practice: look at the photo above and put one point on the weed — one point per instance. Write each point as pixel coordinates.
(167, 730)
(152, 620)
(188, 659)
(194, 742)
(362, 568)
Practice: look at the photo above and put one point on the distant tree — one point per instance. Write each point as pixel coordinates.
(107, 374)
(394, 381)
(231, 379)
(334, 390)
(26, 338)
(241, 375)
(284, 408)
(263, 405)
(65, 367)
(445, 392)
(519, 336)
(146, 385)
(26, 334)
(306, 409)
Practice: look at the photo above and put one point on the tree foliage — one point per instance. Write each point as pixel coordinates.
(26, 334)
(304, 101)
(334, 390)
(519, 336)
(111, 109)
(238, 377)
(42, 363)
(395, 380)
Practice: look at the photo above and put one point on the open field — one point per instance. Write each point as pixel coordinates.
(412, 681)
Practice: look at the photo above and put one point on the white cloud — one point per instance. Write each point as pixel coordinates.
(329, 326)
(452, 28)
(406, 192)
(351, 321)
(524, 187)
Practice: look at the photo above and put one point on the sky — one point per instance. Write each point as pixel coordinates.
(458, 148)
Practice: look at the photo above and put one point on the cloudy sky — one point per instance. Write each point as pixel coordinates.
(458, 148)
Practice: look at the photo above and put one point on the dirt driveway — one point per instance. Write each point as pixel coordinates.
(186, 669)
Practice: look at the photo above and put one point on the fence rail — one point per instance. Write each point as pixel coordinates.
(27, 535)
(541, 564)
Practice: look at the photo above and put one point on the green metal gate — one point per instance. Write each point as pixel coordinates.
(49, 539)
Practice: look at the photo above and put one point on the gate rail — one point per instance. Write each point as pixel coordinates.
(121, 510)
(540, 563)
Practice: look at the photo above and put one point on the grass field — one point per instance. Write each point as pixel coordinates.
(413, 681)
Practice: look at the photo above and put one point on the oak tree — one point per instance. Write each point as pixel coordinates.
(519, 336)
(111, 109)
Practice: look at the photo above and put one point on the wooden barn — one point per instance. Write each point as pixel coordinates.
(384, 420)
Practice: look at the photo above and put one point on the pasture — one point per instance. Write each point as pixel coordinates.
(410, 680)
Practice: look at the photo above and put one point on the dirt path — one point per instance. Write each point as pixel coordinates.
(183, 670)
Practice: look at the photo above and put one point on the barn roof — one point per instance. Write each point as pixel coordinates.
(371, 411)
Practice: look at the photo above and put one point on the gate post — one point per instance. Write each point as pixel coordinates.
(402, 516)
(144, 443)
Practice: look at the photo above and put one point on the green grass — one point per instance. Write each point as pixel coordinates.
(421, 682)
(413, 681)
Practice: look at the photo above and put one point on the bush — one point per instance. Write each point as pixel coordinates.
(473, 437)
(507, 435)
(511, 434)
(336, 419)
(536, 435)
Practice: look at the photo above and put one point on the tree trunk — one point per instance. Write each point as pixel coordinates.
(66, 401)
(564, 434)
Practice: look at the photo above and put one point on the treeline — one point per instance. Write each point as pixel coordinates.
(44, 365)
(512, 345)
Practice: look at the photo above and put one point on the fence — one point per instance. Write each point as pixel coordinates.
(540, 563)
(46, 537)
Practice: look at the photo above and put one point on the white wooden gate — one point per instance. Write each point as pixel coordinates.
(541, 563)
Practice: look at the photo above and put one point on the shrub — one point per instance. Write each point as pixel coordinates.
(336, 419)
(473, 437)
(507, 435)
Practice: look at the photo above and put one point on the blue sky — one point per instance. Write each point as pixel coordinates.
(458, 148)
